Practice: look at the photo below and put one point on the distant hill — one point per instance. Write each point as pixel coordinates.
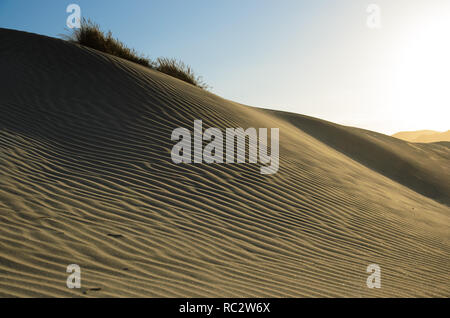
(423, 136)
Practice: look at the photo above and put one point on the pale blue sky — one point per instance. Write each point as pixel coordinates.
(317, 58)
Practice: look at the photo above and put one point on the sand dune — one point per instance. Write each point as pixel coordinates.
(86, 177)
(424, 136)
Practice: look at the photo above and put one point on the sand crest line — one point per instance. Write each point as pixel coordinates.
(214, 150)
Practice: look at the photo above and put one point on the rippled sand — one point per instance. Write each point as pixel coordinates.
(86, 177)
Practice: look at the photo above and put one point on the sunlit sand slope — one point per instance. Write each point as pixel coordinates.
(423, 136)
(86, 178)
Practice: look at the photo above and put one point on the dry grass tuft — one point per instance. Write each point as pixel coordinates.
(91, 35)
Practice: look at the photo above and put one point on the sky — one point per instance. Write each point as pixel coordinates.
(385, 67)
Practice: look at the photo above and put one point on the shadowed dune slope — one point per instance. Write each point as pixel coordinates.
(423, 168)
(86, 178)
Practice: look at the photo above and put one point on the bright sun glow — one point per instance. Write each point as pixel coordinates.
(421, 85)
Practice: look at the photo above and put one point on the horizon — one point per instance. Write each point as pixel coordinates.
(322, 60)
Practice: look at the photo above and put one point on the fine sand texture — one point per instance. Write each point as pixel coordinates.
(424, 136)
(86, 178)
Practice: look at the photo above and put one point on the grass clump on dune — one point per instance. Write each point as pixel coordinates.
(179, 70)
(89, 34)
